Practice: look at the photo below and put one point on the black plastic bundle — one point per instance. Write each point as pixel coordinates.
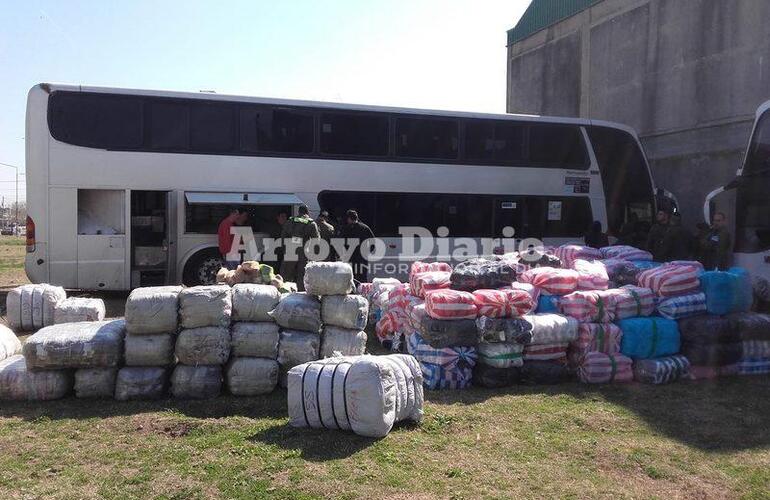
(441, 333)
(710, 340)
(544, 373)
(495, 378)
(516, 330)
(481, 273)
(626, 274)
(751, 326)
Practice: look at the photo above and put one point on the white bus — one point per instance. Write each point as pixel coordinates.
(752, 200)
(126, 188)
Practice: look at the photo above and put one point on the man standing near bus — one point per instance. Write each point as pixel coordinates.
(326, 230)
(354, 229)
(656, 235)
(237, 217)
(295, 233)
(718, 244)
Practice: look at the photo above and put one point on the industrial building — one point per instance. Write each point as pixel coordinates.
(688, 75)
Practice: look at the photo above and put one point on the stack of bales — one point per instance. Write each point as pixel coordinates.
(151, 330)
(31, 307)
(253, 366)
(203, 344)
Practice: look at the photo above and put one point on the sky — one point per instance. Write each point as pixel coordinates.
(439, 54)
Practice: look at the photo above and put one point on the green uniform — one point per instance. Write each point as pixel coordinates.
(655, 240)
(717, 252)
(295, 233)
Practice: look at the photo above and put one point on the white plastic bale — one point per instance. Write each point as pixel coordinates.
(500, 354)
(201, 306)
(328, 278)
(203, 346)
(152, 310)
(298, 311)
(95, 382)
(342, 341)
(10, 345)
(252, 376)
(149, 350)
(196, 382)
(295, 348)
(77, 309)
(141, 383)
(76, 345)
(366, 394)
(30, 307)
(17, 383)
(254, 302)
(256, 340)
(552, 328)
(345, 311)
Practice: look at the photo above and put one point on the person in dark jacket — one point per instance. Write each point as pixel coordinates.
(717, 251)
(327, 232)
(296, 232)
(656, 235)
(595, 237)
(355, 232)
(676, 243)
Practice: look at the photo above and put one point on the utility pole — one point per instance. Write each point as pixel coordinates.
(16, 217)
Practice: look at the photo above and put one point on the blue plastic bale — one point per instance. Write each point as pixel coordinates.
(651, 337)
(547, 304)
(727, 291)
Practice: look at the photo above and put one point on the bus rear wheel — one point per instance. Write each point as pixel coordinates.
(202, 268)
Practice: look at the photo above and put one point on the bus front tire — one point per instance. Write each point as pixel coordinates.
(202, 268)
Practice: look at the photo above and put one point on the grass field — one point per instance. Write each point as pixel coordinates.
(12, 250)
(702, 440)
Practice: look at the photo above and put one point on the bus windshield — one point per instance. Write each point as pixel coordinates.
(753, 203)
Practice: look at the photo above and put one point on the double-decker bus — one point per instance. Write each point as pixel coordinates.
(126, 188)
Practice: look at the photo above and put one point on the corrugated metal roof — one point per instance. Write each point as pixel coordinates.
(543, 13)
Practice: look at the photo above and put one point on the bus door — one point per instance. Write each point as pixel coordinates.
(153, 238)
(509, 212)
(101, 241)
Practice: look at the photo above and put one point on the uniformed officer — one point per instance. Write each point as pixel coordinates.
(295, 233)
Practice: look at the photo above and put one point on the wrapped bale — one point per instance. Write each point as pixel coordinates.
(478, 274)
(196, 382)
(684, 306)
(601, 368)
(552, 281)
(207, 345)
(297, 347)
(298, 311)
(345, 311)
(442, 333)
(649, 337)
(544, 373)
(365, 394)
(450, 305)
(254, 340)
(592, 275)
(516, 330)
(149, 349)
(589, 306)
(568, 254)
(709, 329)
(328, 278)
(625, 252)
(342, 341)
(750, 325)
(755, 349)
(153, 310)
(595, 337)
(500, 354)
(550, 351)
(670, 280)
(548, 304)
(495, 378)
(661, 370)
(76, 345)
(425, 267)
(10, 345)
(425, 282)
(753, 366)
(77, 309)
(95, 382)
(631, 301)
(17, 383)
(713, 355)
(140, 383)
(253, 303)
(201, 306)
(531, 290)
(251, 376)
(727, 291)
(550, 328)
(443, 368)
(30, 307)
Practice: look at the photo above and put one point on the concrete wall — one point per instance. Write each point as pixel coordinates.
(688, 75)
